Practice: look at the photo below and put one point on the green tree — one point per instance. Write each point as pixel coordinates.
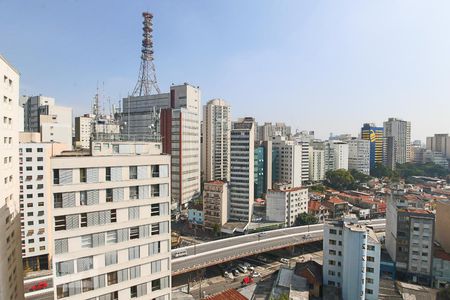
(216, 229)
(380, 171)
(320, 188)
(283, 296)
(306, 219)
(340, 179)
(360, 177)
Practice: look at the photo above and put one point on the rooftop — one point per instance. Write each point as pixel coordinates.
(230, 294)
(335, 200)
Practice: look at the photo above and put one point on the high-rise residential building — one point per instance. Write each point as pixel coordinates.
(443, 224)
(242, 170)
(263, 168)
(35, 201)
(374, 135)
(54, 122)
(11, 275)
(397, 136)
(437, 158)
(111, 221)
(409, 240)
(268, 131)
(88, 125)
(439, 143)
(316, 164)
(291, 161)
(215, 204)
(359, 155)
(336, 155)
(285, 203)
(351, 259)
(176, 116)
(216, 141)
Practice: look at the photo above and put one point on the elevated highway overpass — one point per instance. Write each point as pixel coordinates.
(216, 252)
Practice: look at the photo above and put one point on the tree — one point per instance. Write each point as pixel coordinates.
(320, 188)
(380, 171)
(305, 219)
(340, 179)
(359, 176)
(443, 294)
(216, 229)
(283, 296)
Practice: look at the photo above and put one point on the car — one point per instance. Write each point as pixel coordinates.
(179, 253)
(284, 260)
(235, 272)
(255, 274)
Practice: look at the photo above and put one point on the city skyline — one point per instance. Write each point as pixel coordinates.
(376, 60)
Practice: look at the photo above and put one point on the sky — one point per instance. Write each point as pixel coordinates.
(327, 66)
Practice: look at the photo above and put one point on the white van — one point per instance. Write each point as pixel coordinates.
(179, 253)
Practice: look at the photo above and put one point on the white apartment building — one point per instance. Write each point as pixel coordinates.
(11, 276)
(54, 122)
(291, 161)
(285, 204)
(400, 131)
(316, 164)
(111, 222)
(336, 155)
(216, 140)
(161, 114)
(359, 155)
(215, 204)
(242, 173)
(35, 201)
(351, 259)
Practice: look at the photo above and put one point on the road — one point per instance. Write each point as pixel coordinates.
(216, 252)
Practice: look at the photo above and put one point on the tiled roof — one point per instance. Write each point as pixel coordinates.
(230, 294)
(335, 200)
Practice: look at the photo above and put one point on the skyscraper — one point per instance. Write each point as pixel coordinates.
(11, 278)
(242, 170)
(359, 155)
(216, 140)
(439, 143)
(375, 136)
(399, 149)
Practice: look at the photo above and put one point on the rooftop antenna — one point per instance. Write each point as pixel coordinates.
(146, 83)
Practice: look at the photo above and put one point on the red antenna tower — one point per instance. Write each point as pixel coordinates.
(147, 73)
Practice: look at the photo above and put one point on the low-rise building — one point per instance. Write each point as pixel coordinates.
(195, 214)
(336, 207)
(441, 268)
(285, 204)
(319, 210)
(215, 204)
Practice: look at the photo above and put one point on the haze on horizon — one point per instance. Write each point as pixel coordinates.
(327, 66)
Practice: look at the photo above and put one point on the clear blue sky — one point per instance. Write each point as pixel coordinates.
(326, 66)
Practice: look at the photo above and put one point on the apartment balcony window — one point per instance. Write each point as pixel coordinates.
(112, 278)
(155, 171)
(156, 285)
(60, 223)
(83, 198)
(155, 210)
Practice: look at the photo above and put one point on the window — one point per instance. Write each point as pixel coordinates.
(112, 278)
(332, 252)
(60, 223)
(155, 171)
(369, 280)
(56, 176)
(134, 192)
(154, 210)
(133, 213)
(133, 172)
(110, 258)
(108, 174)
(111, 237)
(40, 150)
(109, 195)
(156, 266)
(64, 268)
(370, 258)
(331, 262)
(332, 242)
(369, 291)
(133, 291)
(40, 168)
(333, 231)
(134, 233)
(28, 150)
(40, 158)
(83, 175)
(156, 285)
(155, 229)
(83, 219)
(86, 241)
(371, 248)
(85, 263)
(133, 253)
(40, 195)
(154, 248)
(88, 284)
(83, 198)
(155, 190)
(369, 270)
